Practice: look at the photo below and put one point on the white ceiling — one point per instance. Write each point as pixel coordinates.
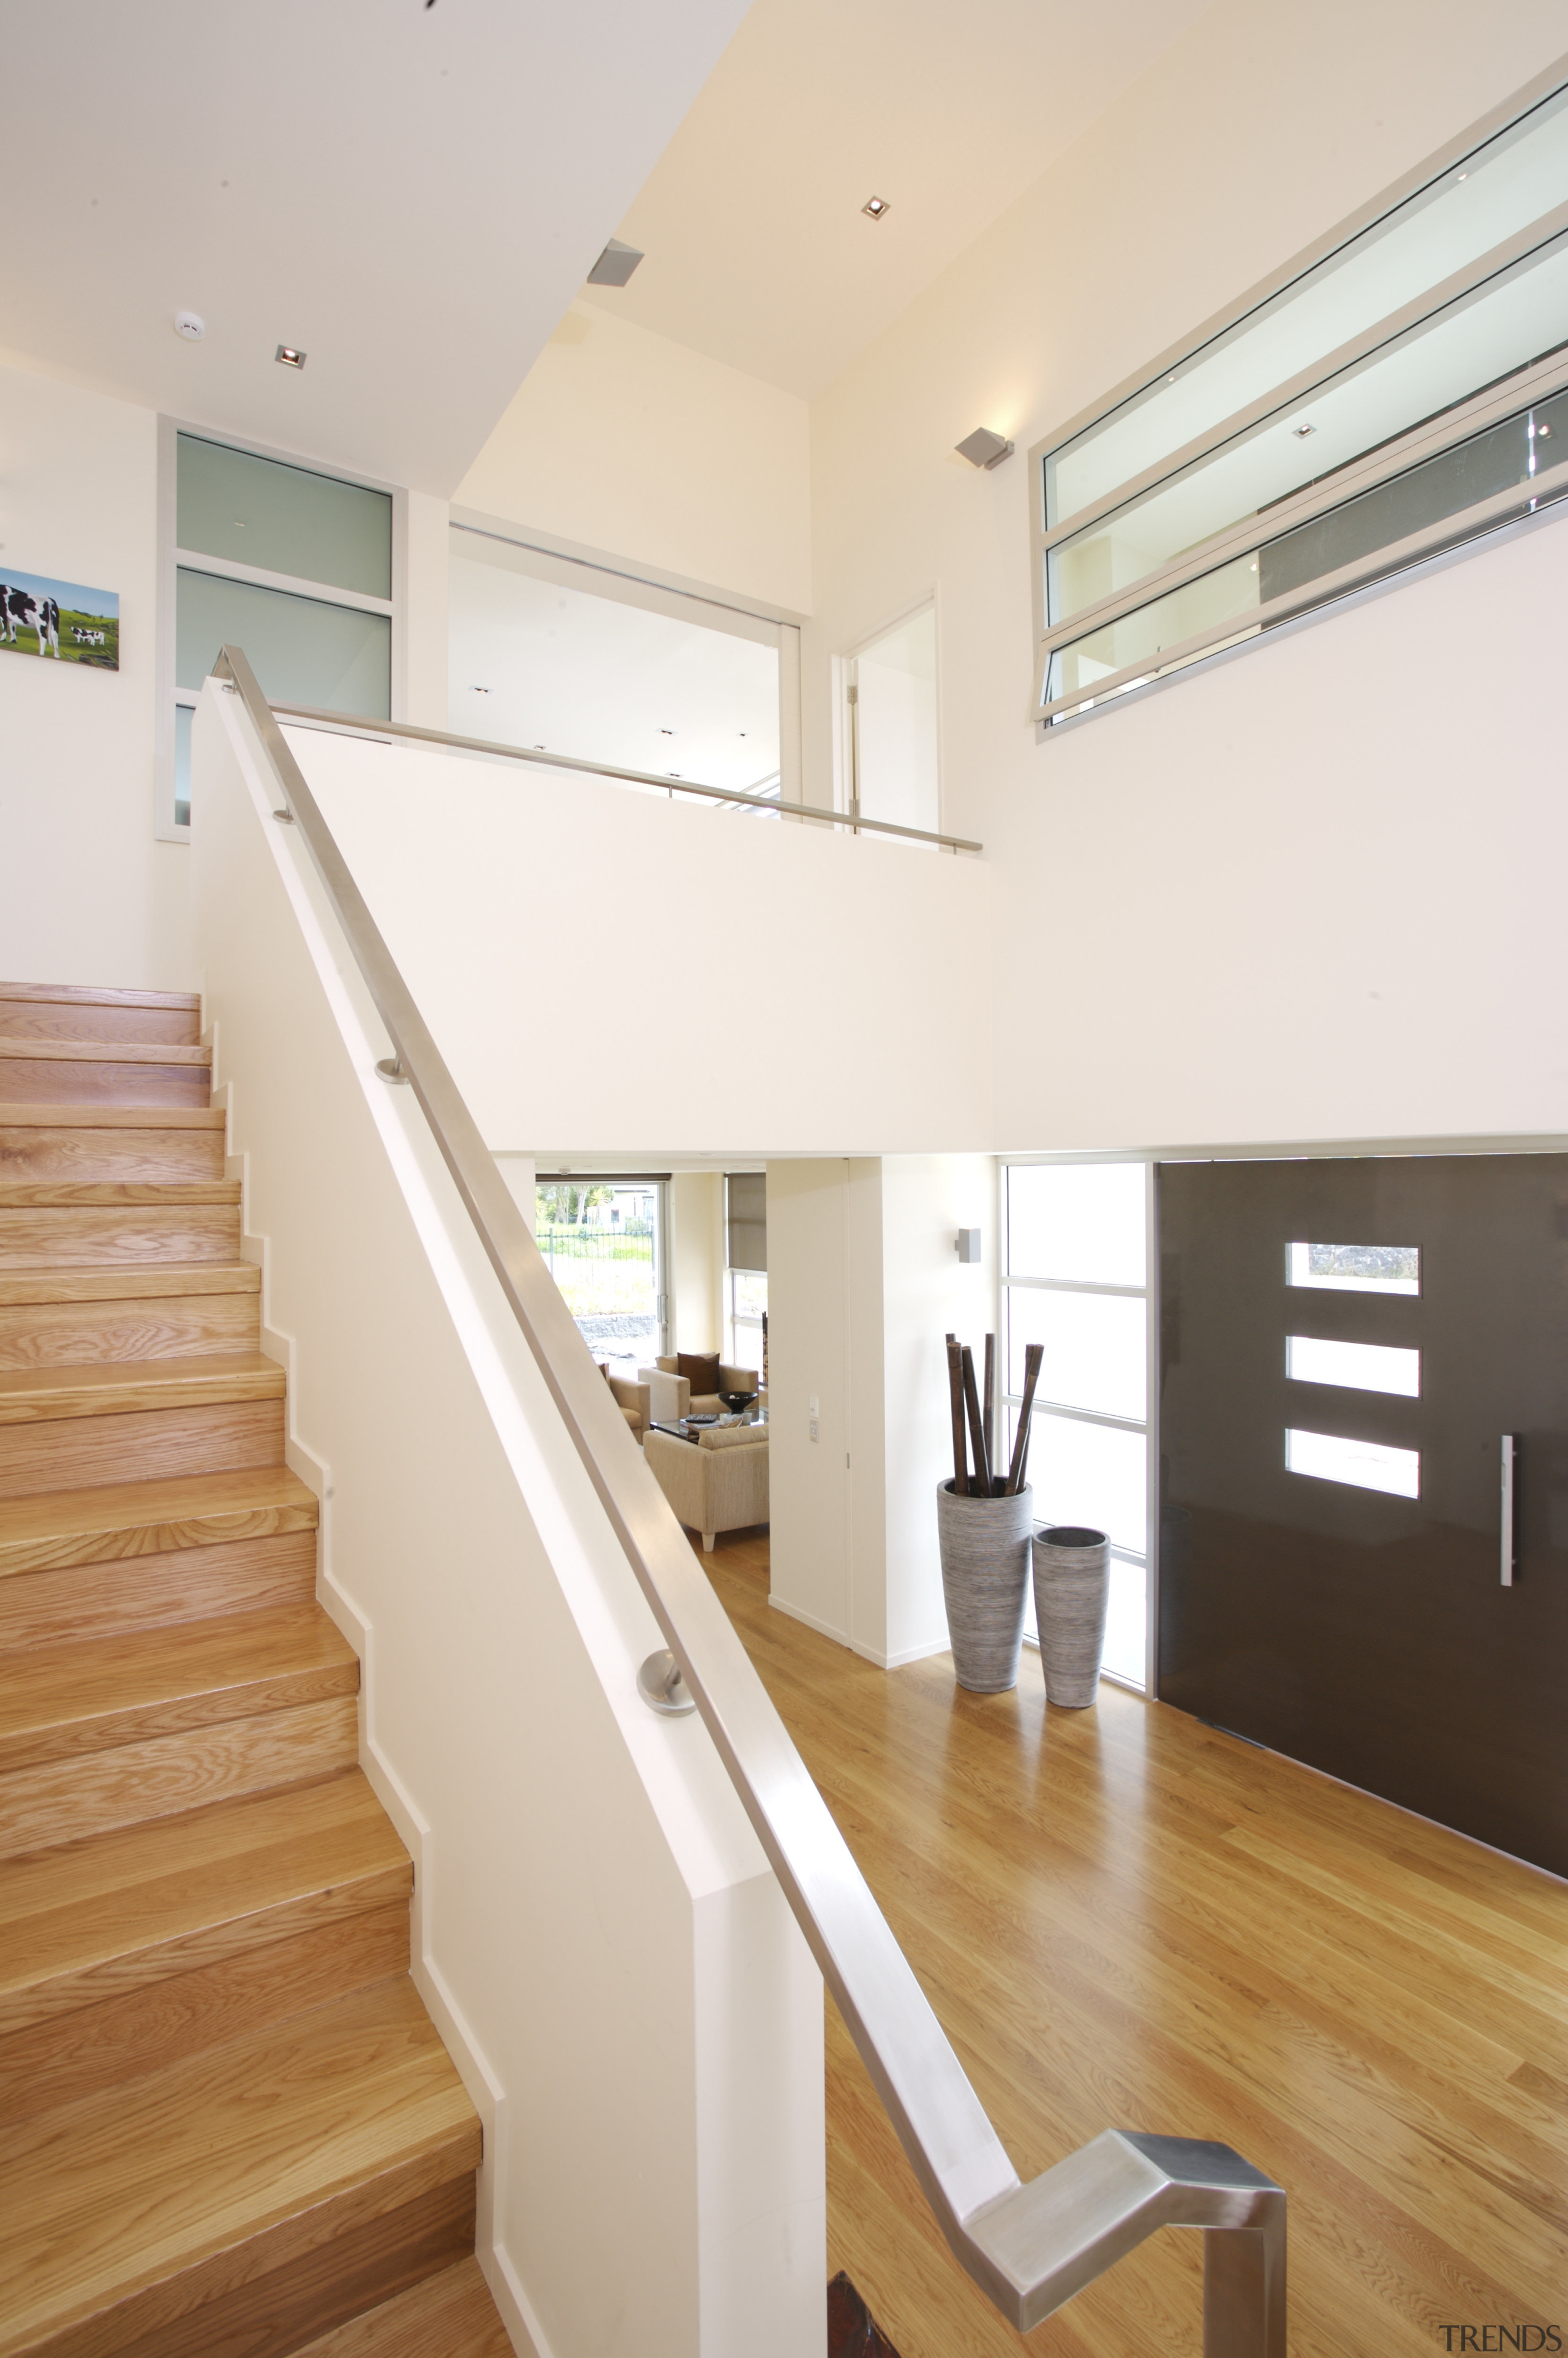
(758, 253)
(411, 194)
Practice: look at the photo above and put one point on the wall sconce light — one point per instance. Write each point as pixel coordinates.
(984, 449)
(967, 1244)
(615, 265)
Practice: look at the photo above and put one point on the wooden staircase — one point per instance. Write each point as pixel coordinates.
(229, 2129)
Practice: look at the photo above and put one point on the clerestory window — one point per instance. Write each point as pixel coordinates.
(1399, 390)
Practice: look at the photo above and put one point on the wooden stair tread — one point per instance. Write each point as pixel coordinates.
(103, 1052)
(85, 994)
(114, 1388)
(98, 1916)
(124, 2190)
(26, 1195)
(448, 2315)
(126, 1280)
(58, 1702)
(131, 1519)
(29, 1115)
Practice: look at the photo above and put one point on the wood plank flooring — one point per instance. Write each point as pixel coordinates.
(1126, 1919)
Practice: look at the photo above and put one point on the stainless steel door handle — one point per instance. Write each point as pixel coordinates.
(1509, 1542)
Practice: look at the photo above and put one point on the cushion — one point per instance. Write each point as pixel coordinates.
(700, 1369)
(732, 1436)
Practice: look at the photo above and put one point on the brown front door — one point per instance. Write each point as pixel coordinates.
(1331, 1534)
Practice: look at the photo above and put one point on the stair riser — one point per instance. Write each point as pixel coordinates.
(329, 1909)
(111, 1598)
(132, 1727)
(176, 1027)
(269, 2295)
(90, 1236)
(118, 1545)
(64, 1801)
(84, 1453)
(184, 2008)
(46, 1080)
(168, 1327)
(147, 1157)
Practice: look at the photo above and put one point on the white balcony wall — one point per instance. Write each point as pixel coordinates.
(596, 1931)
(608, 969)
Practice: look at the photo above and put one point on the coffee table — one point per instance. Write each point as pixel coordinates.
(685, 1430)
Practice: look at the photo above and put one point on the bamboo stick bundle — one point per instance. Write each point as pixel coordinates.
(987, 1397)
(1033, 1356)
(977, 1427)
(955, 1387)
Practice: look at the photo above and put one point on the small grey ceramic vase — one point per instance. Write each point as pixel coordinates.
(1072, 1589)
(984, 1575)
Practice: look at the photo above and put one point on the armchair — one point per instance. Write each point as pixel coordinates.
(719, 1483)
(631, 1399)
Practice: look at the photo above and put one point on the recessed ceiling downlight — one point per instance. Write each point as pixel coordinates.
(291, 356)
(876, 207)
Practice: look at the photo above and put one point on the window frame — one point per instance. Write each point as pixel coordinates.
(1426, 440)
(172, 560)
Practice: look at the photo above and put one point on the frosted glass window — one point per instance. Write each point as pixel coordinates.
(1089, 1473)
(1081, 1222)
(1355, 1269)
(1095, 1343)
(282, 519)
(1474, 342)
(1497, 192)
(1364, 1465)
(303, 650)
(1357, 1367)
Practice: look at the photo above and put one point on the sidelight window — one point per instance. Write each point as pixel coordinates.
(1075, 1280)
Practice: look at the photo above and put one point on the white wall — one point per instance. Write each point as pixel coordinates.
(697, 1260)
(807, 991)
(620, 440)
(596, 1931)
(864, 1283)
(1309, 894)
(86, 895)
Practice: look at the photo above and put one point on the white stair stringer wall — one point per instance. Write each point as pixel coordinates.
(597, 1933)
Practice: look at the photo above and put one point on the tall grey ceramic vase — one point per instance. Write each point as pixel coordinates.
(984, 1573)
(1072, 1589)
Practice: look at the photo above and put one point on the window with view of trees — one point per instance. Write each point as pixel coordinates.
(603, 1243)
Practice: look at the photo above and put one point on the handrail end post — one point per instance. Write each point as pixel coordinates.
(1244, 2288)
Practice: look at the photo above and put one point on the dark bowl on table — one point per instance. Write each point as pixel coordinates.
(737, 1402)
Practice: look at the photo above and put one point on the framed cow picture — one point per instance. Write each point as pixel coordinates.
(62, 620)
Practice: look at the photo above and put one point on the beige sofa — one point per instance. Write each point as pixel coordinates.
(634, 1400)
(672, 1395)
(718, 1483)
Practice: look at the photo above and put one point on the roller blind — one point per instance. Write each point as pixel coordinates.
(746, 1215)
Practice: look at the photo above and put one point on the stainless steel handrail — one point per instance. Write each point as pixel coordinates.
(1030, 2247)
(360, 726)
